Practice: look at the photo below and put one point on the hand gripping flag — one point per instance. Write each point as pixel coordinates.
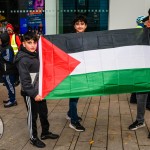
(94, 63)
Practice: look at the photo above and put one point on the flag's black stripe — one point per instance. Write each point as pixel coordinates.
(77, 42)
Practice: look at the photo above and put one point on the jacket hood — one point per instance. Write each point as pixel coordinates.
(5, 39)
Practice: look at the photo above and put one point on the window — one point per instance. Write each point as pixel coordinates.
(53, 18)
(96, 12)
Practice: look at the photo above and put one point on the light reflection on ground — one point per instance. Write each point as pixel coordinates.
(1, 127)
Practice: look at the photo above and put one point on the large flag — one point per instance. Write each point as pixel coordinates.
(94, 63)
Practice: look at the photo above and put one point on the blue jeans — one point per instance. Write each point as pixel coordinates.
(9, 82)
(141, 106)
(72, 113)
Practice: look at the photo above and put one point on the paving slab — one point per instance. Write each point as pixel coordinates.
(106, 119)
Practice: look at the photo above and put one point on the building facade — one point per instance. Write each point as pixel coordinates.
(55, 16)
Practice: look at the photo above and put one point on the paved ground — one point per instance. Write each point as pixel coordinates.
(105, 118)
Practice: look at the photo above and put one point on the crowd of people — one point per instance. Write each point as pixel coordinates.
(20, 59)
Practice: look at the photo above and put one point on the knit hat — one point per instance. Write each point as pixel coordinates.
(9, 26)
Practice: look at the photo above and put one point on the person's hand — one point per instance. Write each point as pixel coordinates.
(38, 98)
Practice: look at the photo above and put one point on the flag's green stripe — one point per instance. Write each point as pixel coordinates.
(103, 83)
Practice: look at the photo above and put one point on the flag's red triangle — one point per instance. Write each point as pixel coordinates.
(56, 66)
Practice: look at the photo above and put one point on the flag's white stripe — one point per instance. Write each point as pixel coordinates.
(128, 57)
(41, 68)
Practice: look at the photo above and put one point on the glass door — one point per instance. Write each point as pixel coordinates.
(96, 12)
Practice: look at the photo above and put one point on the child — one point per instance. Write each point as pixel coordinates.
(7, 68)
(27, 63)
(80, 25)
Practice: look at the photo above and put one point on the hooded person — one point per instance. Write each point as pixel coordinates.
(7, 69)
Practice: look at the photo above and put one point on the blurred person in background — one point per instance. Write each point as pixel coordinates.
(15, 43)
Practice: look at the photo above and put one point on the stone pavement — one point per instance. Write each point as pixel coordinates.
(105, 118)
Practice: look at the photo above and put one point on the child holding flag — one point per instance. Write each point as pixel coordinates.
(80, 25)
(141, 97)
(27, 63)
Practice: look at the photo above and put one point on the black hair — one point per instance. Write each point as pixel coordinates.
(146, 18)
(4, 39)
(30, 36)
(80, 18)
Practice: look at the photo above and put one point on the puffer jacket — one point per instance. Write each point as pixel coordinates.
(6, 55)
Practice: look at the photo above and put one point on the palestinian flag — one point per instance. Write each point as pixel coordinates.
(94, 63)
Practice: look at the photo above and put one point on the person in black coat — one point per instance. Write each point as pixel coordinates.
(7, 69)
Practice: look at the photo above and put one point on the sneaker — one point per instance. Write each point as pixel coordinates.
(17, 83)
(6, 101)
(49, 135)
(37, 142)
(77, 126)
(10, 104)
(68, 118)
(79, 119)
(136, 125)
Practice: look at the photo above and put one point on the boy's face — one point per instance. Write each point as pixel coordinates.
(80, 26)
(30, 45)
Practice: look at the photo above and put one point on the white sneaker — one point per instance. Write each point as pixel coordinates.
(67, 117)
(77, 127)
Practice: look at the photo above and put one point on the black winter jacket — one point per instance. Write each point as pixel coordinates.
(6, 56)
(28, 66)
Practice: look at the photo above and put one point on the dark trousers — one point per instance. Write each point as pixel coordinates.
(1, 79)
(72, 113)
(34, 108)
(16, 76)
(141, 105)
(9, 82)
(133, 99)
